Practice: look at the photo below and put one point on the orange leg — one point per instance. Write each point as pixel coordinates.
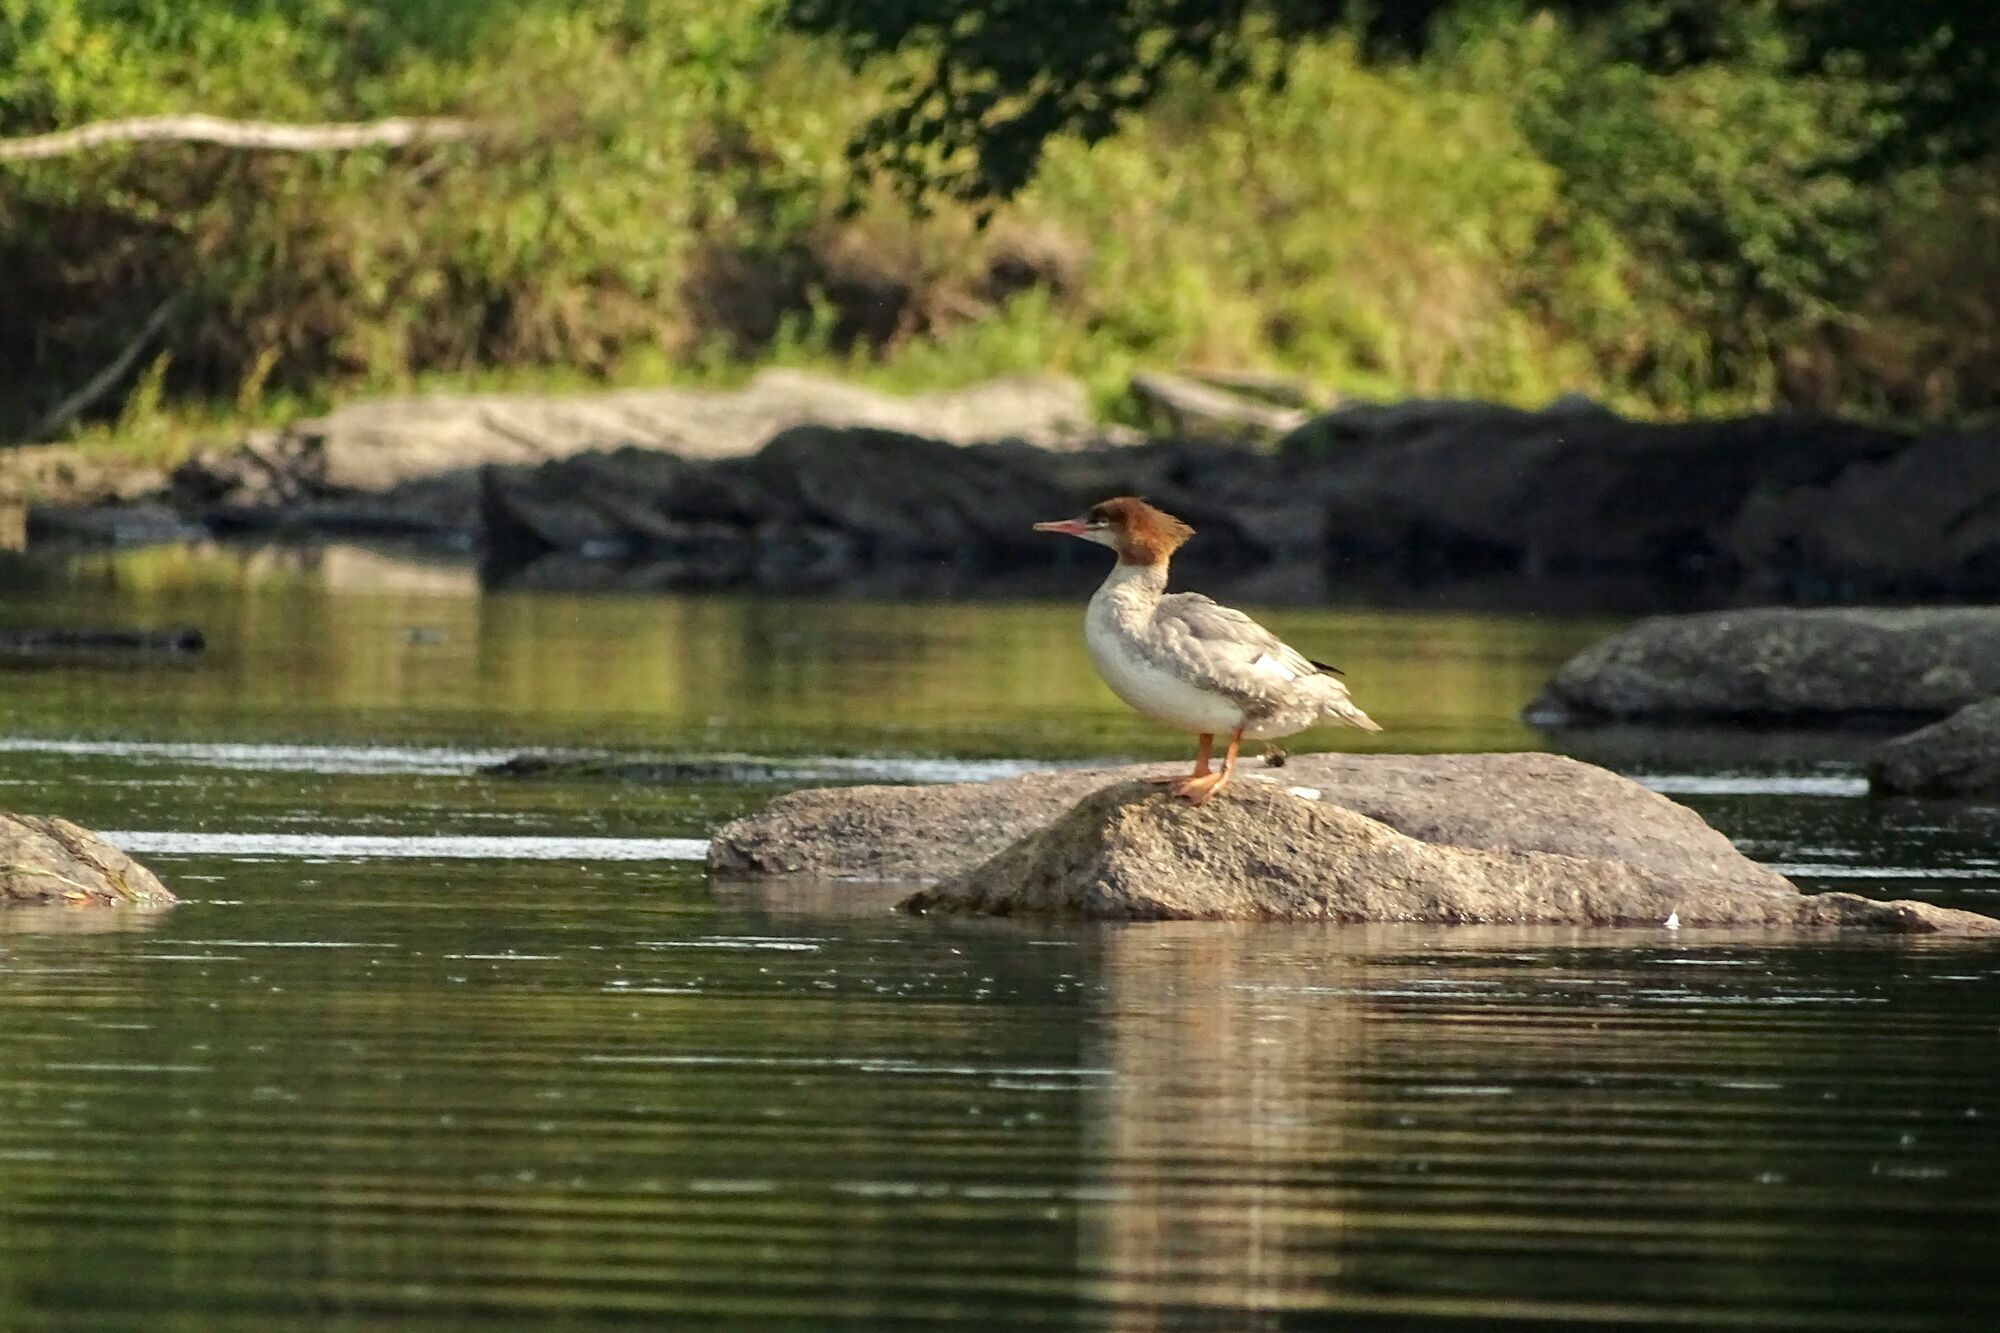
(1201, 754)
(1197, 789)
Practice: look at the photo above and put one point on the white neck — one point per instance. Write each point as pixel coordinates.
(1145, 581)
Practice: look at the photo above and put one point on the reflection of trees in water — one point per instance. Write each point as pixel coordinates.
(1229, 1047)
(353, 630)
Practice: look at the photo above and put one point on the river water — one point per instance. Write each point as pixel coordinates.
(425, 1048)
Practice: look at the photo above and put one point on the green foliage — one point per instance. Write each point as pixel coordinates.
(1934, 68)
(622, 148)
(980, 91)
(1708, 193)
(1652, 208)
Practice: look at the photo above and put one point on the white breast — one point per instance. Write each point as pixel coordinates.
(1153, 690)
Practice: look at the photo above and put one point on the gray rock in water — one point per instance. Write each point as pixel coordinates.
(52, 861)
(1494, 802)
(1959, 756)
(1781, 665)
(1263, 852)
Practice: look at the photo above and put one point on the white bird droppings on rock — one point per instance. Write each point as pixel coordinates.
(1304, 793)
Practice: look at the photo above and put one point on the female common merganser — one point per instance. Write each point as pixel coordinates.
(1185, 661)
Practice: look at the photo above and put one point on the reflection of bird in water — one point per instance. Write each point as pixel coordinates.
(1183, 660)
(423, 635)
(1223, 1139)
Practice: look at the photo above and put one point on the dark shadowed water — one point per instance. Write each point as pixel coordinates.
(427, 1049)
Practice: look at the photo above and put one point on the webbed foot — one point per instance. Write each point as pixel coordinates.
(1196, 791)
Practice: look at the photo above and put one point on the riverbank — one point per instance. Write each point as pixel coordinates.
(797, 483)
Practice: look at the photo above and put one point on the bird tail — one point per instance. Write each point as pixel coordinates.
(1338, 707)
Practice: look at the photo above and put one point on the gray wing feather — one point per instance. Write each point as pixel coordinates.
(1227, 649)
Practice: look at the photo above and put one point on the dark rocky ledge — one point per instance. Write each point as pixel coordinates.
(794, 484)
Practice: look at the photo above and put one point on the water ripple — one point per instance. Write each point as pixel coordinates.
(373, 847)
(1753, 784)
(265, 758)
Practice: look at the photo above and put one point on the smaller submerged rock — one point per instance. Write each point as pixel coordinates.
(73, 643)
(612, 768)
(1959, 756)
(46, 861)
(1259, 851)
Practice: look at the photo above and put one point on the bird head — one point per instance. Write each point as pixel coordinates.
(1141, 534)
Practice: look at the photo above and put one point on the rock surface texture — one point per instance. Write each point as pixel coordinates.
(1781, 665)
(52, 861)
(1959, 756)
(1435, 838)
(1494, 802)
(1263, 852)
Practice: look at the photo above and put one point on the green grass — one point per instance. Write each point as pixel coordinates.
(1511, 217)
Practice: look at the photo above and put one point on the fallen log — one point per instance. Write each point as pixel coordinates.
(263, 135)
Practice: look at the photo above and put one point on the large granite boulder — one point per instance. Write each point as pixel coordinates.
(1262, 851)
(1513, 803)
(1781, 665)
(1959, 756)
(52, 861)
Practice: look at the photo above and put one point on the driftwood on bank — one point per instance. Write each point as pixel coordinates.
(263, 135)
(259, 135)
(1191, 407)
(79, 402)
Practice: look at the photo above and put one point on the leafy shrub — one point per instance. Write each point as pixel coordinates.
(1515, 213)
